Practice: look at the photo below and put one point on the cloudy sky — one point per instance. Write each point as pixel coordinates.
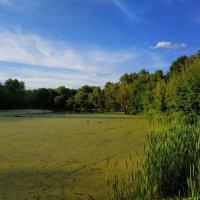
(48, 43)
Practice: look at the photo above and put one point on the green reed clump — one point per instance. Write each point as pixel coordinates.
(128, 186)
(170, 167)
(171, 156)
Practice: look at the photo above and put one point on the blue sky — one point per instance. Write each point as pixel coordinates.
(48, 43)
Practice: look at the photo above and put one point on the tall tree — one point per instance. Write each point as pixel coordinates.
(123, 96)
(96, 99)
(188, 89)
(111, 91)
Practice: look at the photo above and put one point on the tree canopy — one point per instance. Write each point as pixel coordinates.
(178, 90)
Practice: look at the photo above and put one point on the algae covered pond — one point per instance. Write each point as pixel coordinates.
(64, 156)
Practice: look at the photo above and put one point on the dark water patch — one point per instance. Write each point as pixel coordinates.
(52, 114)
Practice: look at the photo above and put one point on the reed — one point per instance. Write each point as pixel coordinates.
(169, 169)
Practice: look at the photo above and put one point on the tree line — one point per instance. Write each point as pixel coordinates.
(142, 92)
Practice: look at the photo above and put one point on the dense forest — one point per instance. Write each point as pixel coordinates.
(143, 92)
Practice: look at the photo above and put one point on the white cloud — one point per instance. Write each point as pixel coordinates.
(35, 50)
(169, 45)
(34, 4)
(79, 66)
(37, 77)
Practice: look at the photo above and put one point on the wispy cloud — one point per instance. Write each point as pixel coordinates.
(56, 62)
(169, 45)
(32, 49)
(121, 6)
(21, 5)
(37, 76)
(5, 2)
(170, 2)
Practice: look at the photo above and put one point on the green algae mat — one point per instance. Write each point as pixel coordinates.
(47, 155)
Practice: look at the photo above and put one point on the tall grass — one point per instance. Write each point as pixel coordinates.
(171, 156)
(170, 168)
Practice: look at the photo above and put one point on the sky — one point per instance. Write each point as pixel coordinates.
(49, 43)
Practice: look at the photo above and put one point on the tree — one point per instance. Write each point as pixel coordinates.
(62, 94)
(111, 91)
(63, 91)
(14, 91)
(70, 103)
(160, 95)
(59, 102)
(123, 96)
(158, 74)
(81, 100)
(188, 89)
(41, 98)
(15, 85)
(177, 66)
(96, 99)
(128, 78)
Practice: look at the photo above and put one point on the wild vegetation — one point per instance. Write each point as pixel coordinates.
(170, 166)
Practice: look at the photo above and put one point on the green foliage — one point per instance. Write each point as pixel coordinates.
(123, 96)
(142, 92)
(62, 90)
(188, 89)
(177, 66)
(159, 97)
(14, 85)
(170, 168)
(81, 100)
(59, 102)
(89, 98)
(111, 95)
(128, 78)
(70, 103)
(41, 98)
(12, 94)
(135, 93)
(170, 93)
(96, 99)
(170, 157)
